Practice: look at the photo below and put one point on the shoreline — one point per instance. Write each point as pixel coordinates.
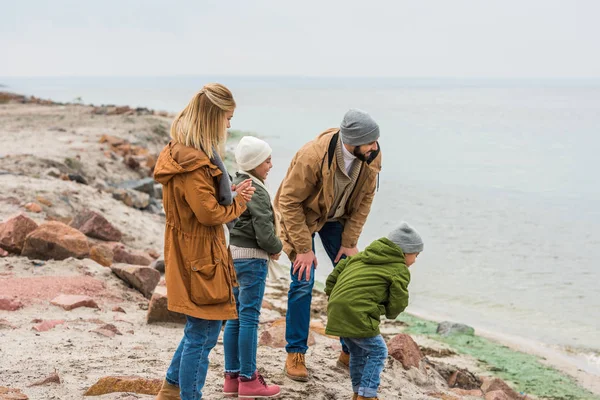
(120, 119)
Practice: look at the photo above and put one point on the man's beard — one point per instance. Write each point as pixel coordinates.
(359, 155)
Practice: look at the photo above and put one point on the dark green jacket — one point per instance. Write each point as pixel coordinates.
(255, 228)
(365, 286)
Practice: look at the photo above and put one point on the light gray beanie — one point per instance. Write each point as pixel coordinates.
(406, 238)
(358, 128)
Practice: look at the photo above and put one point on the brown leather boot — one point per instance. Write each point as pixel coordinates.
(355, 396)
(168, 392)
(344, 360)
(366, 398)
(295, 367)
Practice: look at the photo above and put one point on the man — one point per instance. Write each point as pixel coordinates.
(328, 190)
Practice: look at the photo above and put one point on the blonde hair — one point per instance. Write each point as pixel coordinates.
(201, 124)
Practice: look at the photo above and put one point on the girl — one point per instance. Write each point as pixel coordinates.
(254, 243)
(198, 202)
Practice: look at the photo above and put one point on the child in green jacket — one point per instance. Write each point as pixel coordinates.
(363, 287)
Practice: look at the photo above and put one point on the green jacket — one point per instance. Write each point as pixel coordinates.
(365, 286)
(255, 228)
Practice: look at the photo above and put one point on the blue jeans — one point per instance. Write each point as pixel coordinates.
(300, 294)
(367, 359)
(190, 363)
(241, 335)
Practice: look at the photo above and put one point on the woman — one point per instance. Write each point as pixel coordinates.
(198, 202)
(254, 242)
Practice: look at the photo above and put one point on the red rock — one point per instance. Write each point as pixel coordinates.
(111, 328)
(47, 325)
(55, 240)
(274, 336)
(119, 309)
(12, 394)
(102, 254)
(33, 207)
(129, 384)
(497, 384)
(404, 349)
(158, 309)
(9, 304)
(14, 231)
(4, 324)
(71, 301)
(95, 225)
(142, 278)
(153, 253)
(3, 253)
(52, 378)
(128, 256)
(496, 395)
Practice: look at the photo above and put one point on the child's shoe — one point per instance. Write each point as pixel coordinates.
(256, 387)
(230, 387)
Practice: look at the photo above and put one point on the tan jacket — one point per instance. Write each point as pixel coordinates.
(306, 194)
(198, 266)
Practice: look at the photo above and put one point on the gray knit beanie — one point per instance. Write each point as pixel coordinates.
(358, 128)
(406, 238)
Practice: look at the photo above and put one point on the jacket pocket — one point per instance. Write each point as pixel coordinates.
(209, 282)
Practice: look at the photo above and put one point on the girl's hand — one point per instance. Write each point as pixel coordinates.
(245, 189)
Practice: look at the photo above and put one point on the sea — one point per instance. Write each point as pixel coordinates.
(500, 177)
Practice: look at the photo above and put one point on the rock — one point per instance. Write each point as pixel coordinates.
(404, 349)
(447, 328)
(47, 325)
(153, 253)
(143, 279)
(52, 172)
(93, 224)
(132, 198)
(129, 384)
(3, 253)
(159, 265)
(104, 332)
(4, 324)
(496, 395)
(497, 384)
(10, 304)
(12, 394)
(158, 191)
(274, 336)
(72, 301)
(102, 254)
(77, 178)
(128, 256)
(145, 185)
(55, 240)
(44, 201)
(118, 309)
(52, 378)
(158, 309)
(132, 162)
(463, 379)
(33, 207)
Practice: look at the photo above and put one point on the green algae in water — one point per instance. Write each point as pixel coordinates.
(529, 375)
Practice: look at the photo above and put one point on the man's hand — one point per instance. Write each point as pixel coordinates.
(303, 264)
(345, 251)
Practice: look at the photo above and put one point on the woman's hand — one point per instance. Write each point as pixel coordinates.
(245, 189)
(275, 257)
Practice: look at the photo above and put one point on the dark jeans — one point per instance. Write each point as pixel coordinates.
(240, 339)
(300, 293)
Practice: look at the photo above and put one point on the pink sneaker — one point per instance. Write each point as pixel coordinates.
(230, 387)
(257, 387)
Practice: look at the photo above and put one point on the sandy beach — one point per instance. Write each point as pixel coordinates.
(58, 161)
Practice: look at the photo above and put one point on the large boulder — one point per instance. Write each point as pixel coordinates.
(142, 278)
(129, 384)
(55, 240)
(95, 225)
(158, 310)
(404, 349)
(448, 328)
(14, 231)
(127, 256)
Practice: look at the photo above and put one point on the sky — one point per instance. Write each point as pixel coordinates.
(396, 38)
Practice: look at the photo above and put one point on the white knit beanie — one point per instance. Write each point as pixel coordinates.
(251, 152)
